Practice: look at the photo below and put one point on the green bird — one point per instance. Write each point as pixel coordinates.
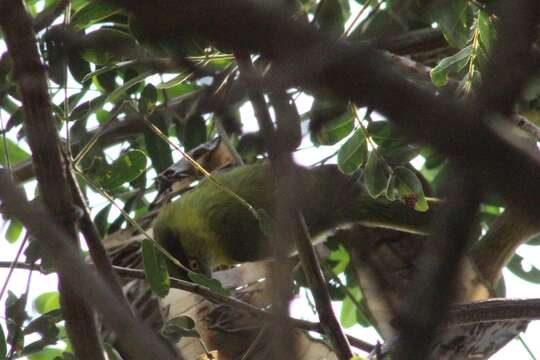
(207, 226)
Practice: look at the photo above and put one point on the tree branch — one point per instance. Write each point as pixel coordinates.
(51, 170)
(135, 338)
(360, 73)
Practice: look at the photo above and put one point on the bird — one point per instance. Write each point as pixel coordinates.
(208, 226)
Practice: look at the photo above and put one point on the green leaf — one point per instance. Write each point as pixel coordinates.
(452, 64)
(534, 241)
(331, 121)
(105, 45)
(101, 220)
(192, 133)
(155, 269)
(47, 302)
(15, 318)
(410, 189)
(209, 283)
(179, 327)
(266, 223)
(148, 99)
(454, 19)
(486, 30)
(348, 310)
(112, 353)
(390, 192)
(342, 257)
(329, 16)
(375, 175)
(124, 169)
(14, 231)
(78, 67)
(48, 353)
(158, 150)
(334, 130)
(515, 266)
(92, 13)
(385, 134)
(353, 154)
(177, 80)
(122, 90)
(14, 153)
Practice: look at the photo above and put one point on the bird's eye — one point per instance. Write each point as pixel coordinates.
(194, 265)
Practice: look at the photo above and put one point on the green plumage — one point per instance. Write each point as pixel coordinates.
(211, 227)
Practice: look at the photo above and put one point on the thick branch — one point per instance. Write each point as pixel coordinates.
(493, 252)
(135, 338)
(360, 73)
(290, 222)
(434, 287)
(51, 171)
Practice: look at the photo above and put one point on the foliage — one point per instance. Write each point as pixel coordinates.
(103, 67)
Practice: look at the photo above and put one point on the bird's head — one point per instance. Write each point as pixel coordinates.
(190, 249)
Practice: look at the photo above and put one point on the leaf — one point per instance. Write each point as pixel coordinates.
(486, 30)
(534, 241)
(112, 353)
(14, 152)
(348, 313)
(14, 231)
(452, 64)
(342, 257)
(179, 327)
(158, 150)
(331, 121)
(348, 310)
(385, 134)
(334, 130)
(15, 317)
(155, 269)
(410, 189)
(515, 266)
(177, 80)
(148, 99)
(209, 283)
(106, 45)
(78, 67)
(101, 220)
(124, 169)
(353, 154)
(47, 302)
(329, 16)
(122, 90)
(48, 353)
(390, 192)
(375, 175)
(92, 13)
(193, 132)
(454, 18)
(266, 223)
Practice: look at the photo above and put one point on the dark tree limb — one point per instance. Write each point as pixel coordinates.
(290, 224)
(309, 58)
(135, 338)
(434, 288)
(511, 61)
(51, 170)
(493, 252)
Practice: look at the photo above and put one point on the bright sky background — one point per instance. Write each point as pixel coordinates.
(516, 288)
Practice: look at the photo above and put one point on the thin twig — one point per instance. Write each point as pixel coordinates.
(241, 306)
